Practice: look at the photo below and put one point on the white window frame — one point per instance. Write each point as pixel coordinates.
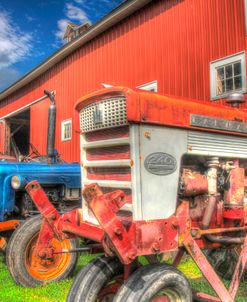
(225, 61)
(63, 124)
(150, 86)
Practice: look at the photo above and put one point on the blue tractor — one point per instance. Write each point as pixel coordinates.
(60, 180)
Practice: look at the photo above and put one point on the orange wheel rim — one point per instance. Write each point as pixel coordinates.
(46, 270)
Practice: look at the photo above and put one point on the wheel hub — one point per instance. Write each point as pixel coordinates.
(46, 268)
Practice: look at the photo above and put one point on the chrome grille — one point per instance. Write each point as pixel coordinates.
(107, 113)
(106, 160)
(205, 143)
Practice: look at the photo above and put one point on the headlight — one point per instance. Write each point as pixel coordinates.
(16, 182)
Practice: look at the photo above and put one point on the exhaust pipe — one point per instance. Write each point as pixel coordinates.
(51, 127)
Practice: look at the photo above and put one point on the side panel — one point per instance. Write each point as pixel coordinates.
(161, 150)
(214, 144)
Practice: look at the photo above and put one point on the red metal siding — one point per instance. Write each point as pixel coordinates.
(168, 41)
(2, 138)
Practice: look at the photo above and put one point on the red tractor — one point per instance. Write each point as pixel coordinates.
(160, 175)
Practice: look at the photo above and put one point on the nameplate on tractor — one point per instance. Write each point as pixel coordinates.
(218, 124)
(160, 163)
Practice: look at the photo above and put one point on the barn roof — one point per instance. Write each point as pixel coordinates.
(124, 10)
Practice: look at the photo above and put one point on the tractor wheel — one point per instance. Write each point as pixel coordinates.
(155, 283)
(224, 262)
(99, 280)
(30, 271)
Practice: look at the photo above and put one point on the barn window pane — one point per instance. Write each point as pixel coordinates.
(237, 68)
(228, 71)
(220, 73)
(220, 87)
(238, 82)
(229, 84)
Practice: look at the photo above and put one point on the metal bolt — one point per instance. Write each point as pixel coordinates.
(131, 255)
(193, 233)
(117, 231)
(156, 247)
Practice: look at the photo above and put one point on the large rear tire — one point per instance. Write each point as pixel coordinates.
(93, 278)
(155, 283)
(30, 271)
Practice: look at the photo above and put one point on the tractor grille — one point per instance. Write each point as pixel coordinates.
(106, 158)
(105, 147)
(104, 114)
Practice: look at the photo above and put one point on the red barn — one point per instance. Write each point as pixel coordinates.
(188, 48)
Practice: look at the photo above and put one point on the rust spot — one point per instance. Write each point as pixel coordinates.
(147, 134)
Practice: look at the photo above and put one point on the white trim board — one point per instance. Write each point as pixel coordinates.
(19, 110)
(149, 86)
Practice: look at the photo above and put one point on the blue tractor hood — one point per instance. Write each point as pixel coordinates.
(65, 174)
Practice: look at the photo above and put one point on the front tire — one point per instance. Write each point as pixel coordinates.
(90, 282)
(155, 283)
(30, 271)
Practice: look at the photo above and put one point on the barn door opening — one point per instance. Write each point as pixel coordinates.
(18, 134)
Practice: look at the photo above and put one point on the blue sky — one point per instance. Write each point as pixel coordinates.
(30, 30)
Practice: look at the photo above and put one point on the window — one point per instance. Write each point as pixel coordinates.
(152, 86)
(66, 130)
(227, 75)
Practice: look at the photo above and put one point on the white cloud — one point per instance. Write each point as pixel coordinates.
(73, 13)
(30, 18)
(14, 43)
(61, 24)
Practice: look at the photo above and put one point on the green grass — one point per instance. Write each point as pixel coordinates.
(54, 292)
